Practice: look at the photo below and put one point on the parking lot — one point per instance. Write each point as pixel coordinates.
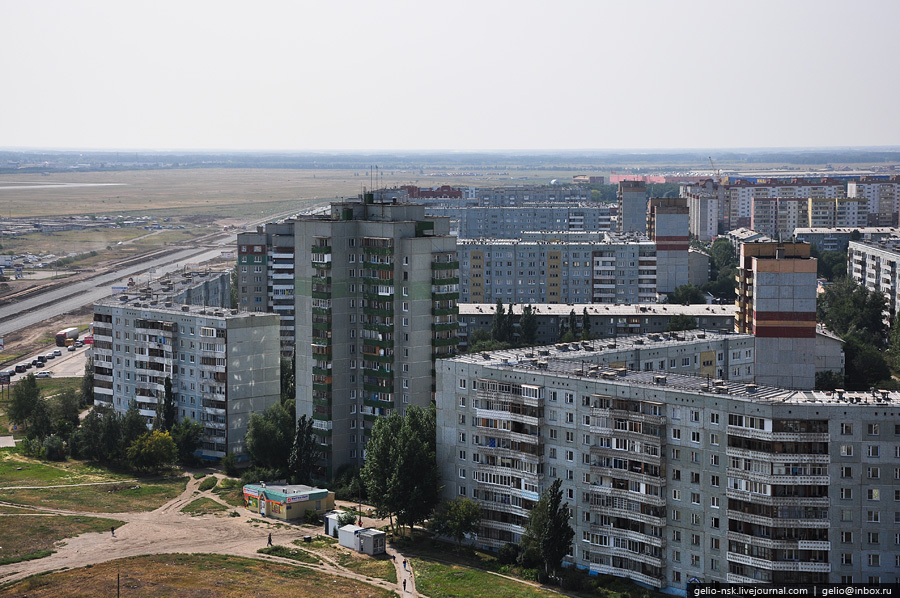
(70, 364)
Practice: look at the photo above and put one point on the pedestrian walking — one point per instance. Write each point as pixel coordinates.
(404, 585)
(112, 530)
(404, 563)
(270, 540)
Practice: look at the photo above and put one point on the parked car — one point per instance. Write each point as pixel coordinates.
(42, 375)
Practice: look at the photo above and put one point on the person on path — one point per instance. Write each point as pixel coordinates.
(112, 530)
(404, 564)
(270, 540)
(404, 585)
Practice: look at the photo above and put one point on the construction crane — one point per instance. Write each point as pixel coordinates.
(716, 172)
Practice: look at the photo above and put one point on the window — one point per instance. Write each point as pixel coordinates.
(676, 453)
(676, 494)
(714, 481)
(846, 558)
(695, 436)
(846, 537)
(676, 433)
(714, 502)
(873, 517)
(695, 518)
(676, 535)
(873, 450)
(846, 450)
(874, 473)
(846, 471)
(874, 560)
(872, 429)
(714, 460)
(873, 494)
(714, 418)
(462, 382)
(846, 429)
(846, 493)
(714, 439)
(695, 498)
(873, 538)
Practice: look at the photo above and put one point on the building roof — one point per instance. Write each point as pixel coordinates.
(605, 309)
(176, 309)
(286, 493)
(864, 230)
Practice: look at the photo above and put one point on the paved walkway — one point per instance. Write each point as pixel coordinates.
(7, 442)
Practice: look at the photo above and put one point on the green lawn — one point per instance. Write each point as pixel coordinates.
(231, 491)
(27, 537)
(290, 553)
(17, 470)
(438, 580)
(208, 484)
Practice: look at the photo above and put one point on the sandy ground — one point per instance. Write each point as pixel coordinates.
(168, 530)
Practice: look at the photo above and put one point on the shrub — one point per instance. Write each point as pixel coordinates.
(208, 484)
(54, 449)
(312, 518)
(229, 465)
(508, 554)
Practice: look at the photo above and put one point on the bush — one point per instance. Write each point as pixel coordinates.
(54, 449)
(255, 475)
(229, 465)
(32, 447)
(208, 484)
(508, 554)
(312, 518)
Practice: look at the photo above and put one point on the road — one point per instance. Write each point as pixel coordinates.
(69, 365)
(70, 297)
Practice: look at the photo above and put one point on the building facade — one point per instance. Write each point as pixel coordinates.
(877, 267)
(377, 286)
(673, 478)
(632, 209)
(776, 299)
(667, 226)
(223, 365)
(559, 268)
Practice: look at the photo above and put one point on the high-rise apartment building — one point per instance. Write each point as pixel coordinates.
(667, 226)
(266, 275)
(377, 285)
(776, 299)
(674, 477)
(632, 196)
(876, 266)
(559, 268)
(882, 197)
(223, 365)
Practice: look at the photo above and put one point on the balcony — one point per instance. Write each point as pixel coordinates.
(776, 436)
(778, 457)
(772, 522)
(656, 582)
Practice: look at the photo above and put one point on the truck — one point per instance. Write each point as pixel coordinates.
(64, 336)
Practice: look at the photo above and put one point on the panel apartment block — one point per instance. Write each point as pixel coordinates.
(223, 365)
(675, 477)
(876, 266)
(777, 304)
(377, 285)
(564, 268)
(632, 196)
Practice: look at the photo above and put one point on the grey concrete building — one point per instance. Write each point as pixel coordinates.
(667, 226)
(558, 267)
(632, 209)
(509, 222)
(606, 321)
(877, 267)
(223, 365)
(377, 285)
(673, 477)
(836, 239)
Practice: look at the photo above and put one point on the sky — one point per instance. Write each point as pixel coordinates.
(435, 75)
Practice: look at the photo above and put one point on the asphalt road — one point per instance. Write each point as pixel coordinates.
(69, 365)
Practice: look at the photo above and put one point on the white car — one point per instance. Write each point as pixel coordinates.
(42, 375)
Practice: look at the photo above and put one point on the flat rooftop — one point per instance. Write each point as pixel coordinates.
(605, 309)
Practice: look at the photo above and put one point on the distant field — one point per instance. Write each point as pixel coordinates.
(219, 193)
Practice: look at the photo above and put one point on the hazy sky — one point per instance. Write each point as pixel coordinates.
(466, 75)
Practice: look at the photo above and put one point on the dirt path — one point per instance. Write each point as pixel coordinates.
(168, 530)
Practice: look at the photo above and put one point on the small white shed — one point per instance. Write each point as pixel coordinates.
(332, 523)
(372, 541)
(348, 536)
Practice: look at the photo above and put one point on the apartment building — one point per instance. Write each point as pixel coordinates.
(667, 226)
(506, 222)
(876, 266)
(558, 268)
(223, 364)
(705, 200)
(265, 262)
(606, 321)
(882, 198)
(837, 238)
(377, 286)
(673, 478)
(632, 209)
(776, 299)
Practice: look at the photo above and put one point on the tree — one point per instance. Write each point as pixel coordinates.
(188, 437)
(528, 326)
(270, 435)
(585, 325)
(40, 420)
(687, 294)
(288, 387)
(64, 413)
(152, 451)
(132, 426)
(832, 265)
(722, 254)
(415, 483)
(233, 291)
(829, 380)
(378, 468)
(457, 518)
(850, 309)
(573, 322)
(865, 365)
(24, 396)
(509, 324)
(305, 452)
(346, 518)
(681, 322)
(167, 411)
(498, 326)
(548, 529)
(87, 382)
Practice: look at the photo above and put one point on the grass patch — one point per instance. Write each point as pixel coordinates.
(208, 484)
(122, 497)
(290, 553)
(18, 470)
(231, 491)
(381, 566)
(438, 580)
(203, 506)
(193, 576)
(199, 476)
(27, 537)
(54, 386)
